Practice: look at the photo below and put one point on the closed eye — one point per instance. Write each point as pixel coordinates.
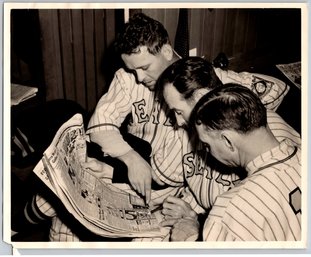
(178, 112)
(144, 68)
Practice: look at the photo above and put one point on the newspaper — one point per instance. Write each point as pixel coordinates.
(292, 71)
(102, 207)
(20, 93)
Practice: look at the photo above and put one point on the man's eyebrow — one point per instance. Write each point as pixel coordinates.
(142, 66)
(176, 110)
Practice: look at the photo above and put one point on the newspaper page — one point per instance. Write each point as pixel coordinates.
(102, 207)
(292, 71)
(20, 93)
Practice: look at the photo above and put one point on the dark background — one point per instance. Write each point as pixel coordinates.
(68, 53)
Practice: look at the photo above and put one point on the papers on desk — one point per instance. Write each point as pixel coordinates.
(292, 71)
(20, 93)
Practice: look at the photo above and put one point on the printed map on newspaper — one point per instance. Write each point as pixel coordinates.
(292, 71)
(102, 207)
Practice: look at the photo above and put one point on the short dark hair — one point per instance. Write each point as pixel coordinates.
(189, 74)
(231, 106)
(141, 30)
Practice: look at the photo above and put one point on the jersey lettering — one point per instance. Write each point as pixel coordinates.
(220, 179)
(156, 113)
(188, 164)
(195, 167)
(261, 86)
(295, 200)
(140, 111)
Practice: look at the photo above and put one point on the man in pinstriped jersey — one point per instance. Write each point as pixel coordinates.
(182, 85)
(231, 121)
(145, 48)
(132, 93)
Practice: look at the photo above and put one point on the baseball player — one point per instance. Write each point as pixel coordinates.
(266, 205)
(131, 94)
(205, 182)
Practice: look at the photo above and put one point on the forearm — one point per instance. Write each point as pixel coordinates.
(111, 143)
(110, 113)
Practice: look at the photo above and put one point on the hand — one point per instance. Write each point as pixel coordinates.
(98, 168)
(176, 208)
(139, 173)
(185, 230)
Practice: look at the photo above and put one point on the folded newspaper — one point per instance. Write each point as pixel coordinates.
(20, 93)
(102, 207)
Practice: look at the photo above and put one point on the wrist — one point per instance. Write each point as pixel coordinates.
(128, 156)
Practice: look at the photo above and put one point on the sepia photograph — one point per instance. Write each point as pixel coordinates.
(155, 126)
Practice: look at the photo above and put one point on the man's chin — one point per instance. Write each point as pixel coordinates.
(151, 87)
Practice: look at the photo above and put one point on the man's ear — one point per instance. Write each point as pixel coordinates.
(228, 140)
(167, 51)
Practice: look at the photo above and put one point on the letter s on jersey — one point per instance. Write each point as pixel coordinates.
(188, 164)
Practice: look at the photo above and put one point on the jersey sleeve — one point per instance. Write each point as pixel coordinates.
(109, 114)
(41, 205)
(270, 90)
(216, 231)
(167, 160)
(36, 211)
(114, 106)
(220, 225)
(188, 197)
(281, 129)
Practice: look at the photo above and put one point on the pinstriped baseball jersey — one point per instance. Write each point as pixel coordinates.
(266, 206)
(270, 90)
(206, 183)
(149, 121)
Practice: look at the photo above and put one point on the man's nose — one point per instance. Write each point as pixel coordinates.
(180, 121)
(140, 75)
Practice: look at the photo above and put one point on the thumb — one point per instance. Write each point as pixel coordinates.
(148, 192)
